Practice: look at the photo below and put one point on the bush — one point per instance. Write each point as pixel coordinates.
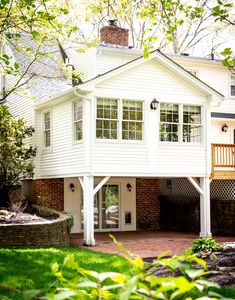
(205, 245)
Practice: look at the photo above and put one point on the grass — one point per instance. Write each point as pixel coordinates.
(30, 268)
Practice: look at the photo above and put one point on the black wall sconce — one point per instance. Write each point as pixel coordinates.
(154, 104)
(72, 187)
(224, 128)
(129, 187)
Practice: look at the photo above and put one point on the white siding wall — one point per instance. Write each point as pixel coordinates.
(64, 156)
(108, 61)
(150, 157)
(215, 75)
(83, 62)
(122, 158)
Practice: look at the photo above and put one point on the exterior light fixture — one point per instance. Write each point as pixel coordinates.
(129, 187)
(72, 187)
(224, 128)
(154, 104)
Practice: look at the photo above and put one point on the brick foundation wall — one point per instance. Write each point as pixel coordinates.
(147, 203)
(51, 192)
(114, 35)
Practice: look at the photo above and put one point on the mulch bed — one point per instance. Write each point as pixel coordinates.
(223, 262)
(31, 215)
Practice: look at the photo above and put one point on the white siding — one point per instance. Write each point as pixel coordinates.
(64, 158)
(83, 62)
(109, 61)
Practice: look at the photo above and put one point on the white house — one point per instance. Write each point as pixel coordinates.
(107, 146)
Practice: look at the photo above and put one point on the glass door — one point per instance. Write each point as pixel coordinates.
(106, 208)
(109, 206)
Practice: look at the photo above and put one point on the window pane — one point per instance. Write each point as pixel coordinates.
(110, 206)
(78, 130)
(47, 138)
(169, 132)
(192, 133)
(77, 110)
(192, 114)
(47, 121)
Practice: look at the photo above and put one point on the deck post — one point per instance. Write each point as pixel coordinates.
(205, 218)
(88, 209)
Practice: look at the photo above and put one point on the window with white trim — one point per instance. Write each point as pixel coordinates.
(47, 129)
(77, 120)
(232, 85)
(119, 119)
(180, 123)
(132, 120)
(169, 122)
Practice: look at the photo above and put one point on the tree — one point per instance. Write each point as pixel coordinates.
(15, 154)
(43, 23)
(173, 26)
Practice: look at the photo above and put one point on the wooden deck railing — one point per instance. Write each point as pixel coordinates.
(223, 156)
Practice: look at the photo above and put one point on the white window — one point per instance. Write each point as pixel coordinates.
(107, 118)
(77, 119)
(180, 123)
(119, 119)
(47, 129)
(232, 85)
(132, 120)
(169, 122)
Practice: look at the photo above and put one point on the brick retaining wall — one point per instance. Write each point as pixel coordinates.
(52, 233)
(147, 203)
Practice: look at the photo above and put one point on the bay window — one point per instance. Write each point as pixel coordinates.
(119, 119)
(180, 123)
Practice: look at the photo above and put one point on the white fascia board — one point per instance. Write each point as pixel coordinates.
(58, 98)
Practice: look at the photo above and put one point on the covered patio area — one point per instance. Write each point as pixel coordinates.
(148, 243)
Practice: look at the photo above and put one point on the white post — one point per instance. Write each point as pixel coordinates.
(205, 218)
(88, 210)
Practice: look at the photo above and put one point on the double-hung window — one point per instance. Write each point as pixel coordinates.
(169, 122)
(180, 123)
(232, 85)
(77, 120)
(47, 129)
(132, 120)
(192, 125)
(107, 118)
(119, 119)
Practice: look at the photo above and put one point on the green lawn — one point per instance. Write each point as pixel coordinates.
(30, 268)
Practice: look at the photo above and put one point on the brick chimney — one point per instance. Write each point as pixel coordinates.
(112, 34)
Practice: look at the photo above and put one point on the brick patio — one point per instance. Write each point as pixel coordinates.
(149, 243)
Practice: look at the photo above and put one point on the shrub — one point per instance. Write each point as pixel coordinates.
(70, 222)
(206, 245)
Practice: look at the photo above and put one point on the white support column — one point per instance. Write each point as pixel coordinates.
(88, 210)
(205, 218)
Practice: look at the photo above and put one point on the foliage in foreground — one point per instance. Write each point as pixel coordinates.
(15, 155)
(76, 282)
(206, 245)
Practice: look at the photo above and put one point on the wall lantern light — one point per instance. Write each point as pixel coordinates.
(224, 128)
(129, 187)
(154, 104)
(72, 187)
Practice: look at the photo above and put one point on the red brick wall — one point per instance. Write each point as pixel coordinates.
(147, 203)
(114, 35)
(51, 192)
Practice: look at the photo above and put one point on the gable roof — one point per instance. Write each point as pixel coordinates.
(164, 60)
(157, 55)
